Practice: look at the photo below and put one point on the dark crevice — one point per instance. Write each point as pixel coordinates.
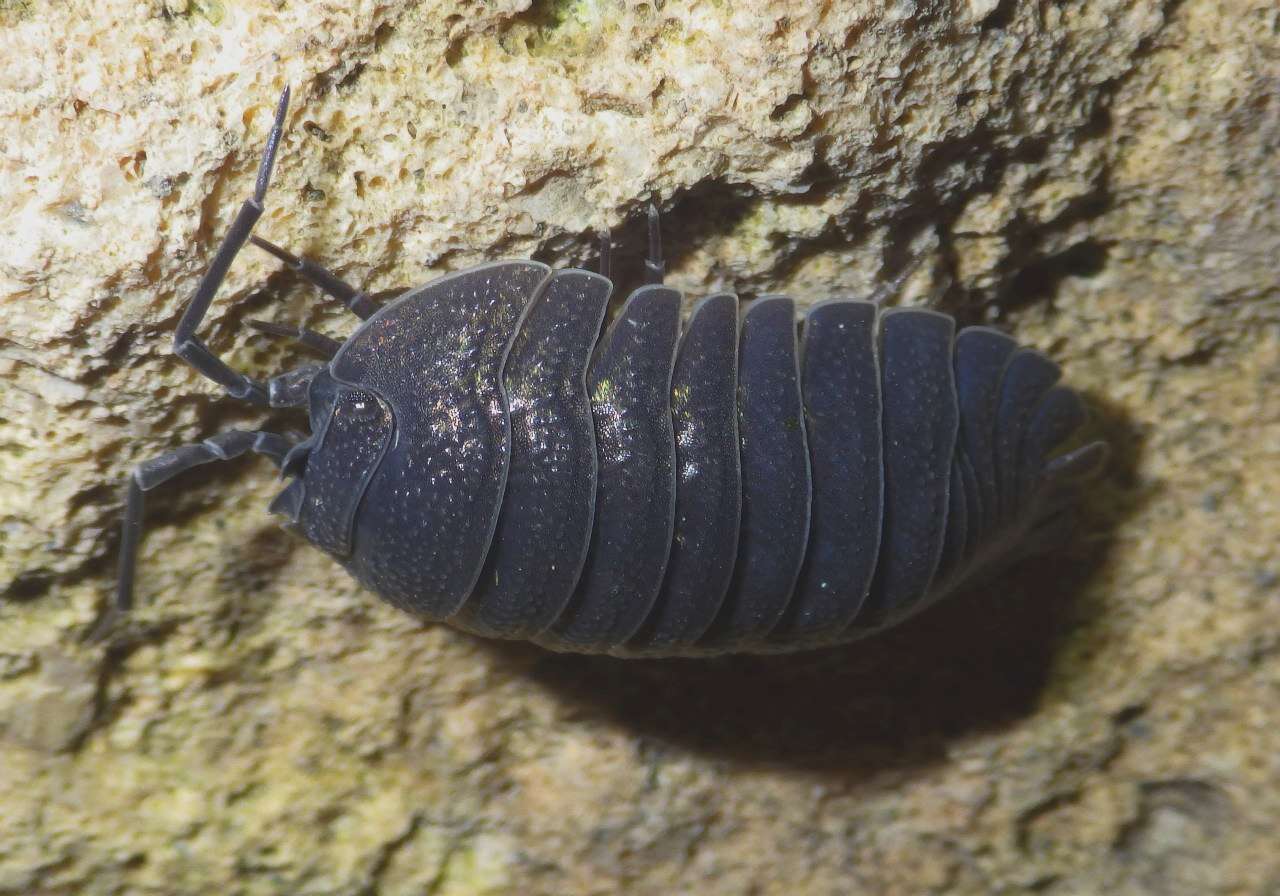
(28, 585)
(1000, 17)
(350, 78)
(1041, 279)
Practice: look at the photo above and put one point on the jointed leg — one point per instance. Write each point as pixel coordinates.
(159, 470)
(606, 252)
(655, 269)
(317, 342)
(894, 286)
(185, 343)
(357, 301)
(289, 389)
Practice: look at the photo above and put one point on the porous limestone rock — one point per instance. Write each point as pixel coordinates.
(1102, 178)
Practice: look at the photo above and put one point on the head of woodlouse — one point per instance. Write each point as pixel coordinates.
(351, 427)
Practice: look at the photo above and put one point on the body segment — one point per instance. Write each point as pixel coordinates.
(776, 487)
(920, 422)
(842, 414)
(436, 356)
(630, 384)
(704, 545)
(548, 508)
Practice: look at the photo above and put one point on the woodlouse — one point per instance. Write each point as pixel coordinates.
(481, 455)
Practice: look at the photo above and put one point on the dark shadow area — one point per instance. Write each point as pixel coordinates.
(690, 220)
(949, 177)
(29, 585)
(1000, 17)
(976, 662)
(1041, 278)
(247, 569)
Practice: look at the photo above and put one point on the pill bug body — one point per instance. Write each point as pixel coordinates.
(484, 452)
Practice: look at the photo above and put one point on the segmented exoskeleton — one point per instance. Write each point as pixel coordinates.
(481, 454)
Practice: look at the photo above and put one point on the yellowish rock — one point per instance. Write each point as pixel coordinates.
(1102, 178)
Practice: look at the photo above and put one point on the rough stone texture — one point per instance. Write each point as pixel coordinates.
(1101, 177)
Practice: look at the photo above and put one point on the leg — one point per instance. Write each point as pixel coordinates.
(159, 470)
(894, 286)
(185, 344)
(317, 342)
(606, 251)
(1079, 465)
(357, 301)
(655, 269)
(289, 389)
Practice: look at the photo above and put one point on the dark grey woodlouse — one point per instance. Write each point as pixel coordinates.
(481, 455)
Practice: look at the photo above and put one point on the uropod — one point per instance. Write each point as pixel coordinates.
(484, 452)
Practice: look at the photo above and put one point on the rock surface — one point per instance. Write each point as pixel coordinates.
(1102, 178)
